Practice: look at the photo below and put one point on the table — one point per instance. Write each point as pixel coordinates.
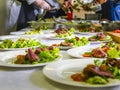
(33, 79)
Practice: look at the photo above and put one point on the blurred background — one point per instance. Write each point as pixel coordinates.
(3, 14)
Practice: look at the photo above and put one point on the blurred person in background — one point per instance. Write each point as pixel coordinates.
(28, 11)
(116, 11)
(22, 11)
(111, 10)
(107, 9)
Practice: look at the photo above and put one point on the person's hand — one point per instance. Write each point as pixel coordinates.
(68, 3)
(101, 1)
(42, 4)
(45, 5)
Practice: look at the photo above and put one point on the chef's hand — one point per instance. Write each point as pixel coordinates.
(42, 4)
(101, 1)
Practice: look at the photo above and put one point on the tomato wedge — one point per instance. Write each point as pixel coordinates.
(87, 55)
(116, 31)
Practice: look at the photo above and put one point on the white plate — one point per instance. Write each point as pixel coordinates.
(53, 37)
(18, 33)
(18, 36)
(78, 51)
(64, 47)
(93, 42)
(70, 47)
(26, 29)
(13, 49)
(7, 59)
(23, 33)
(48, 31)
(86, 33)
(60, 71)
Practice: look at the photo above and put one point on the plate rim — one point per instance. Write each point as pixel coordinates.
(86, 33)
(77, 49)
(14, 49)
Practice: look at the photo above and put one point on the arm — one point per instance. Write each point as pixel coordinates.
(40, 3)
(101, 1)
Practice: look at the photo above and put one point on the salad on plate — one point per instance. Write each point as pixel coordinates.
(91, 28)
(73, 42)
(38, 55)
(30, 57)
(110, 50)
(64, 33)
(20, 43)
(100, 37)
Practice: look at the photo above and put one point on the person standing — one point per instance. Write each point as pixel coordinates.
(111, 10)
(105, 10)
(22, 11)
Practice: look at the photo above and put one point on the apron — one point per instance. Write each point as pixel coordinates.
(13, 9)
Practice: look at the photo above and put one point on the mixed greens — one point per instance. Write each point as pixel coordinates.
(100, 37)
(89, 27)
(113, 51)
(77, 41)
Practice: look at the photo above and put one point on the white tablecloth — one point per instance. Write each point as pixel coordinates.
(33, 78)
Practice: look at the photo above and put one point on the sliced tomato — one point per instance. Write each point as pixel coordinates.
(116, 31)
(87, 55)
(55, 44)
(103, 67)
(105, 49)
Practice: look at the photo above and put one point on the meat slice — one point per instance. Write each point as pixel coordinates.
(31, 56)
(99, 53)
(92, 70)
(38, 50)
(66, 44)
